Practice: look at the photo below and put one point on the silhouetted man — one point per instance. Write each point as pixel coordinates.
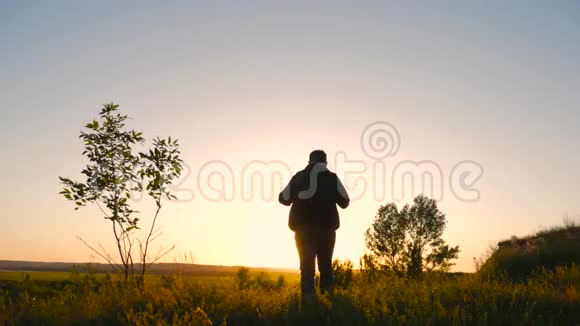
(314, 193)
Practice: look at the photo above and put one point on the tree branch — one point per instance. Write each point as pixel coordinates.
(107, 258)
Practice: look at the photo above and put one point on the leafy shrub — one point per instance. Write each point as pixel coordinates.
(242, 278)
(343, 273)
(262, 280)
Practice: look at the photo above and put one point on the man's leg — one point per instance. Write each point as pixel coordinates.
(326, 240)
(307, 252)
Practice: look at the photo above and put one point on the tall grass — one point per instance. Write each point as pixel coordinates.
(548, 297)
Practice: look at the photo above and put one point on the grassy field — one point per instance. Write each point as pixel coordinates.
(534, 281)
(36, 276)
(369, 298)
(19, 276)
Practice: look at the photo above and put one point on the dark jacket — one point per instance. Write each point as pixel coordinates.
(316, 205)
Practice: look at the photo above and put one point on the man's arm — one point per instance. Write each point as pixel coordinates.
(285, 197)
(342, 198)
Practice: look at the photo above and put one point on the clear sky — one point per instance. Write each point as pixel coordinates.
(492, 82)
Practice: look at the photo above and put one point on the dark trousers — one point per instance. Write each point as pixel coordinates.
(315, 244)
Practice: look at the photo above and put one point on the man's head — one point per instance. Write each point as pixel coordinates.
(317, 156)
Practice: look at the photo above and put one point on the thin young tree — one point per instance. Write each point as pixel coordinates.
(115, 171)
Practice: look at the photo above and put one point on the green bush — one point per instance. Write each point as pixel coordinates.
(343, 273)
(243, 280)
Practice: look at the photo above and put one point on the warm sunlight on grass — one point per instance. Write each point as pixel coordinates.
(262, 299)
